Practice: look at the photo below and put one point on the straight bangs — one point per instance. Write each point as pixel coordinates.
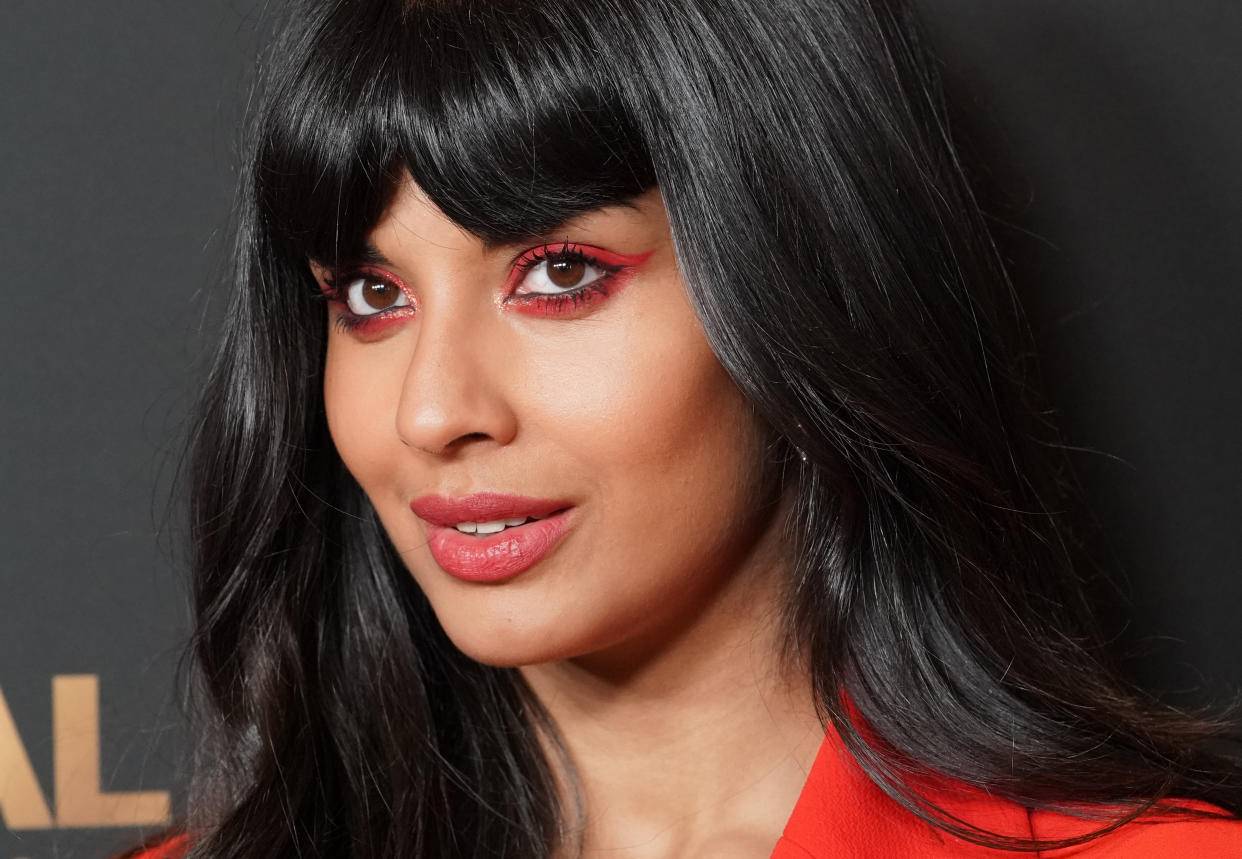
(505, 114)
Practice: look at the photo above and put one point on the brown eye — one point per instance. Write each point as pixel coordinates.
(561, 273)
(381, 296)
(367, 296)
(566, 273)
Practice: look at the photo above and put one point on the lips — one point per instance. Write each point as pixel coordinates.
(494, 557)
(482, 507)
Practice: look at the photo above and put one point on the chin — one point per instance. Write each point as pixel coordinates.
(510, 649)
(508, 635)
(532, 619)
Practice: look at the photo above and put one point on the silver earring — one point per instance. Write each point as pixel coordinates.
(801, 452)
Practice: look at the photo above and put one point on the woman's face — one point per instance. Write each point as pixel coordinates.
(565, 382)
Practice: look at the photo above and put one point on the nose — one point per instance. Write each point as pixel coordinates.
(455, 390)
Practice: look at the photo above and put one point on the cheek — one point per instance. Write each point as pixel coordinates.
(690, 465)
(360, 397)
(656, 425)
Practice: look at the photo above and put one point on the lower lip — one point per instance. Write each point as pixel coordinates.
(497, 556)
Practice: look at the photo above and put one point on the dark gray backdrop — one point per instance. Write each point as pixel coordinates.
(1108, 137)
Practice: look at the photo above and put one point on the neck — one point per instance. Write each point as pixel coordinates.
(696, 745)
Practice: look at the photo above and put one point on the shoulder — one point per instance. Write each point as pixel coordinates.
(170, 848)
(1153, 836)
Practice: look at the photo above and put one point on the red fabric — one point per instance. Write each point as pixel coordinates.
(841, 814)
(172, 849)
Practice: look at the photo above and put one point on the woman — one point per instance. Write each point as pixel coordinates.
(616, 447)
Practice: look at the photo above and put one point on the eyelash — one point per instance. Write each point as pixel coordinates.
(562, 302)
(337, 285)
(336, 290)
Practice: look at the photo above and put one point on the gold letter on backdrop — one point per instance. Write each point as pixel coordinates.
(22, 805)
(75, 728)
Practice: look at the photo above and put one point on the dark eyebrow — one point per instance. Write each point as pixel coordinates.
(549, 234)
(372, 256)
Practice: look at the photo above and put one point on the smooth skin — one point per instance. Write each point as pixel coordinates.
(650, 633)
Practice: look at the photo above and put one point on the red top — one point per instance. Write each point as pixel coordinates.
(841, 814)
(174, 848)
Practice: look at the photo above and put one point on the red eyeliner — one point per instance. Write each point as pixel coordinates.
(618, 270)
(337, 291)
(598, 256)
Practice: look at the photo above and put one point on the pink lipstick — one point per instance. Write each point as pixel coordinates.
(490, 545)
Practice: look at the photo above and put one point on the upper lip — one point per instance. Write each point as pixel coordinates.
(482, 507)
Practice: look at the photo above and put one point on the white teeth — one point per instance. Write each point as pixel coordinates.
(490, 527)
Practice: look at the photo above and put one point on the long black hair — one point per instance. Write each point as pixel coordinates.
(845, 279)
